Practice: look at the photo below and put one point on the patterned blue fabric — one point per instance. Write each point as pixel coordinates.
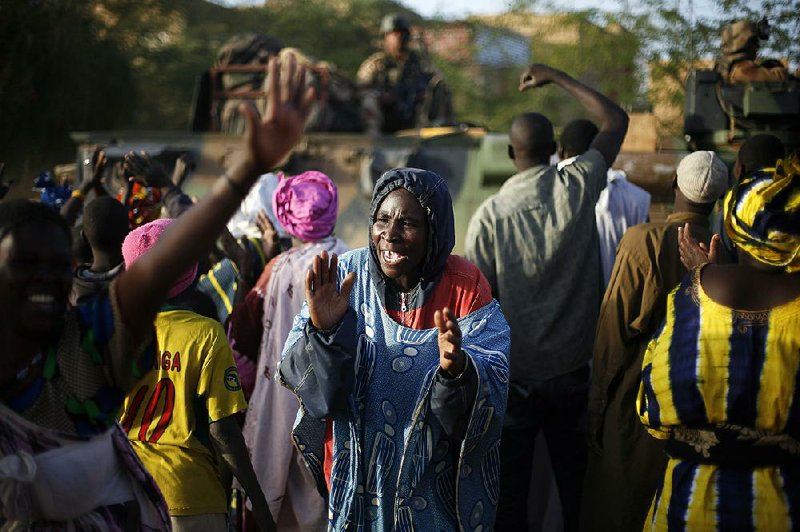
(392, 467)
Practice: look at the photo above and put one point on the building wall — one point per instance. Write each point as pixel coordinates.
(479, 44)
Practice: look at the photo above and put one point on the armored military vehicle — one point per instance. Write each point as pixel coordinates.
(473, 160)
(721, 116)
(741, 96)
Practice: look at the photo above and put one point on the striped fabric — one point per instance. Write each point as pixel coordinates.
(222, 280)
(220, 283)
(762, 215)
(22, 440)
(722, 371)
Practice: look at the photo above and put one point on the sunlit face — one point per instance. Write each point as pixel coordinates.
(35, 280)
(400, 237)
(393, 43)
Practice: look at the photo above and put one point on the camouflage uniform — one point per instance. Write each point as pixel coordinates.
(399, 95)
(738, 63)
(392, 91)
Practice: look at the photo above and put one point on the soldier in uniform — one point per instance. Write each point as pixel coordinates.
(398, 91)
(740, 44)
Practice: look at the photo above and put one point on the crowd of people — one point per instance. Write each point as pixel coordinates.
(230, 364)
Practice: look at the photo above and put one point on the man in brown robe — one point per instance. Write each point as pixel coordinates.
(627, 464)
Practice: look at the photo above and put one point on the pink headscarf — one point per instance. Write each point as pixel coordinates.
(142, 239)
(306, 205)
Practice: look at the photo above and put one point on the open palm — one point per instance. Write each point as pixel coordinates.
(269, 139)
(327, 305)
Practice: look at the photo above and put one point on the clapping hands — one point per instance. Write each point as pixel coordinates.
(694, 253)
(451, 358)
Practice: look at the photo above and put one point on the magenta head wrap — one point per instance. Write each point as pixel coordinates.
(142, 239)
(306, 205)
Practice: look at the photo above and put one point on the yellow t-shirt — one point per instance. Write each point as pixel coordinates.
(193, 382)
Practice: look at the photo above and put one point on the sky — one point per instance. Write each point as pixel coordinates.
(458, 9)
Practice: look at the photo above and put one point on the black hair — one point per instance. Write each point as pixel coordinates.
(105, 224)
(532, 133)
(81, 250)
(577, 136)
(20, 212)
(760, 151)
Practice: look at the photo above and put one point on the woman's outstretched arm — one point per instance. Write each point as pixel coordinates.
(267, 140)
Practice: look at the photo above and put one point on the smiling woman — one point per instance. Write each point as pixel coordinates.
(402, 350)
(35, 279)
(67, 402)
(400, 234)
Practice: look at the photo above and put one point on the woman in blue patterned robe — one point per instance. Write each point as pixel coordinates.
(399, 359)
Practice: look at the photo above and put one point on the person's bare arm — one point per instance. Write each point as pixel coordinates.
(267, 140)
(231, 447)
(611, 119)
(72, 208)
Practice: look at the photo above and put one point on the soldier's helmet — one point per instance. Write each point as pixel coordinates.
(394, 22)
(741, 35)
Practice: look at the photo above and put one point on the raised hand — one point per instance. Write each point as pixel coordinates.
(270, 241)
(72, 208)
(267, 140)
(234, 251)
(536, 76)
(96, 179)
(140, 167)
(326, 304)
(183, 165)
(451, 358)
(694, 253)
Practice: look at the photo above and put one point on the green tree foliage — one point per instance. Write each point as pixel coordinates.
(589, 47)
(675, 38)
(73, 65)
(58, 72)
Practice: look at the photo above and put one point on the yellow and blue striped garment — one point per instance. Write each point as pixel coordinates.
(712, 370)
(762, 215)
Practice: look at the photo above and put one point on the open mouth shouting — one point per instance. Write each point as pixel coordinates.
(392, 258)
(399, 234)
